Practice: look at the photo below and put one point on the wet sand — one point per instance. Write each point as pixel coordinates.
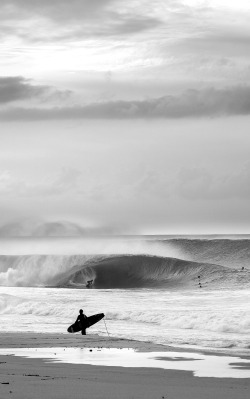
(26, 378)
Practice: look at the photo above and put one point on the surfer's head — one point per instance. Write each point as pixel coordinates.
(80, 311)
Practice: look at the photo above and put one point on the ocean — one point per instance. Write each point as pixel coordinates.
(185, 291)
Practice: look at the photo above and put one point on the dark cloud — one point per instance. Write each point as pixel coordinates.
(192, 103)
(18, 88)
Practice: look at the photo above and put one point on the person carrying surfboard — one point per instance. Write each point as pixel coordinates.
(82, 319)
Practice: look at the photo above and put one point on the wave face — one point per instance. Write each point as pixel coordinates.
(117, 271)
(128, 262)
(226, 252)
(138, 271)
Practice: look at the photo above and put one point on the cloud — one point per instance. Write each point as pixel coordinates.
(199, 184)
(16, 88)
(79, 19)
(61, 183)
(208, 102)
(225, 43)
(55, 9)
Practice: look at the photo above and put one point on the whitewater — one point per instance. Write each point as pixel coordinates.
(186, 291)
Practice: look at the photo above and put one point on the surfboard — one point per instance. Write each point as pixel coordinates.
(89, 322)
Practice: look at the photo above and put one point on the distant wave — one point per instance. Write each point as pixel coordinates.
(116, 272)
(226, 252)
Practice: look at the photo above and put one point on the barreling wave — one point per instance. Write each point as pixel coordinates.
(117, 272)
(141, 271)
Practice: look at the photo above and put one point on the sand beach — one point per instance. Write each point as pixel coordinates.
(29, 378)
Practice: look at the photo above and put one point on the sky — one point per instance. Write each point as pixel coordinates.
(124, 117)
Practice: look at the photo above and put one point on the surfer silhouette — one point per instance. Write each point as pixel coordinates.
(199, 281)
(82, 319)
(89, 284)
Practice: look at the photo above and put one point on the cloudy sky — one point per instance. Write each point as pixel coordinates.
(124, 116)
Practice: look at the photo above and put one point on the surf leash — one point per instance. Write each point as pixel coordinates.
(106, 327)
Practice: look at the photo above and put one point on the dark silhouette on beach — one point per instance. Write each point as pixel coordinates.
(82, 319)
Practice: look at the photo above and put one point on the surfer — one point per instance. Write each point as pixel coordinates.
(89, 284)
(82, 319)
(199, 281)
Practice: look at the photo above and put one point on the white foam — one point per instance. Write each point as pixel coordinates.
(216, 319)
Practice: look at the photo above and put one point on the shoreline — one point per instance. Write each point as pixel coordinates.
(25, 378)
(31, 339)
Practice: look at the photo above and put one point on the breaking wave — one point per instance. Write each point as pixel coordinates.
(117, 272)
(132, 262)
(140, 271)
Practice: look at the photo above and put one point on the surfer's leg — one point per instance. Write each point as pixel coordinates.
(83, 332)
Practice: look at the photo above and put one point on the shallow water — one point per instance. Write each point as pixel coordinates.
(201, 365)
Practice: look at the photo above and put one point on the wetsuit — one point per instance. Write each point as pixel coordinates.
(82, 318)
